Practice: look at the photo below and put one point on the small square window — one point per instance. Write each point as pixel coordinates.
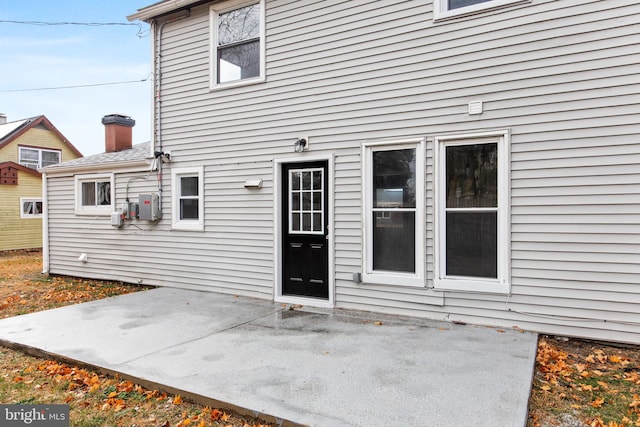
(48, 158)
(94, 195)
(30, 208)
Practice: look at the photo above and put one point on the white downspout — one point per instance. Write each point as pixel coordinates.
(45, 225)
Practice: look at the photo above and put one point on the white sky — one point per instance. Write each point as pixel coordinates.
(36, 56)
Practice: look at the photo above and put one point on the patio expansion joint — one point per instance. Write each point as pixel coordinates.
(221, 331)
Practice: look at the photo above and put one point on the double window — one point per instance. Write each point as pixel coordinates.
(471, 238)
(443, 9)
(472, 213)
(94, 194)
(394, 213)
(237, 55)
(30, 208)
(187, 199)
(35, 158)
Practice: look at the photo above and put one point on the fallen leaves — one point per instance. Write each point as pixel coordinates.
(94, 398)
(40, 292)
(116, 398)
(597, 383)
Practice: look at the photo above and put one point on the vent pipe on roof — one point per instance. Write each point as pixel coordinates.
(117, 132)
(3, 119)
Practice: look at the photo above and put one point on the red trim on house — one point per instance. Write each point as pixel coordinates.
(34, 121)
(21, 168)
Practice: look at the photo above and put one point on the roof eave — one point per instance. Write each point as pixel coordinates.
(160, 8)
(30, 123)
(123, 164)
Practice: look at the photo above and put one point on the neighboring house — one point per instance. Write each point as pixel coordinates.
(469, 160)
(25, 146)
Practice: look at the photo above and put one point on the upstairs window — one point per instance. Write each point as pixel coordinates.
(457, 4)
(35, 158)
(451, 8)
(238, 42)
(94, 194)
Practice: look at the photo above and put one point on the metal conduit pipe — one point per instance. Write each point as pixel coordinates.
(158, 101)
(158, 75)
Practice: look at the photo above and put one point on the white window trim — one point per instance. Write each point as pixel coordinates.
(441, 12)
(214, 11)
(40, 151)
(30, 199)
(392, 277)
(93, 210)
(186, 224)
(500, 285)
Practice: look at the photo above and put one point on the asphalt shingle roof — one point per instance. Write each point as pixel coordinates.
(137, 152)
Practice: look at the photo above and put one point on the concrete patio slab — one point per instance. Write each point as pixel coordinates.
(313, 367)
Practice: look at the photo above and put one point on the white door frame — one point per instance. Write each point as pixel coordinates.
(277, 231)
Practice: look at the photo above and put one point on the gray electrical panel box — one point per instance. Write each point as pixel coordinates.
(149, 207)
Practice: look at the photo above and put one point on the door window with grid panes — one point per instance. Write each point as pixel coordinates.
(306, 201)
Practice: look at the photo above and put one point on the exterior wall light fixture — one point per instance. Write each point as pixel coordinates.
(300, 145)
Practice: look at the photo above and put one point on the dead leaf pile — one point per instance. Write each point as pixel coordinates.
(596, 383)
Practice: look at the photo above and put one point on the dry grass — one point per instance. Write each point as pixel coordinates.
(580, 383)
(23, 289)
(94, 399)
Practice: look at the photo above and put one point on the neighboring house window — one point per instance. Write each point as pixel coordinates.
(30, 208)
(393, 177)
(187, 199)
(94, 194)
(237, 42)
(451, 8)
(472, 213)
(35, 158)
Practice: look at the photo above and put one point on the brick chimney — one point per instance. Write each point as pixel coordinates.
(117, 132)
(3, 119)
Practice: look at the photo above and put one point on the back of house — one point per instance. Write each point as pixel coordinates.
(462, 160)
